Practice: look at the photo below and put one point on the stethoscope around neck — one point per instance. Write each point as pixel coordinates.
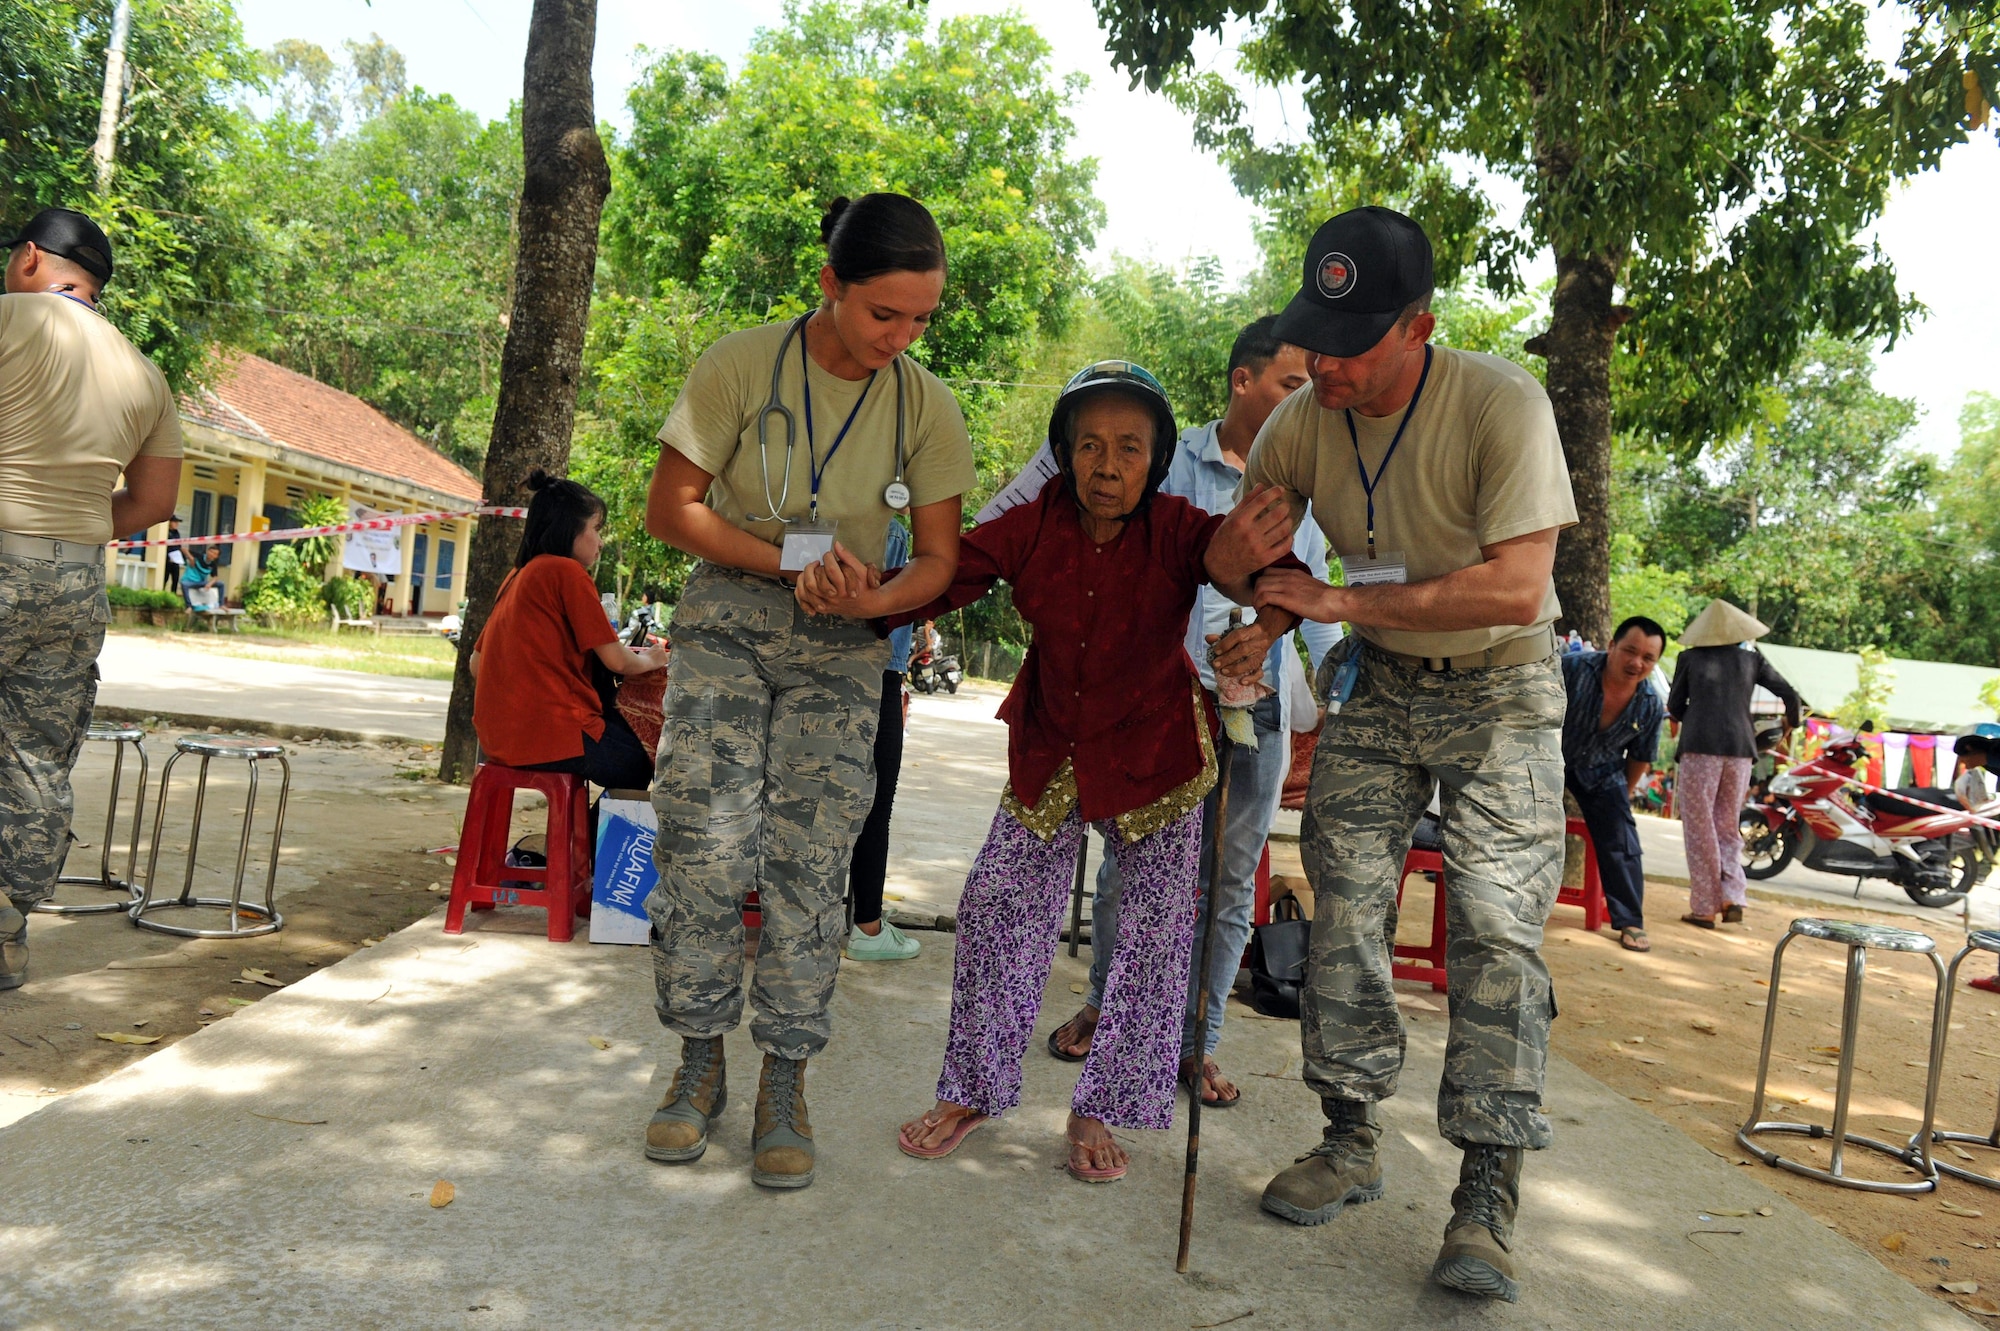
(896, 495)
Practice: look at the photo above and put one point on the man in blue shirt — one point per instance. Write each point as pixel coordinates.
(1206, 470)
(1610, 738)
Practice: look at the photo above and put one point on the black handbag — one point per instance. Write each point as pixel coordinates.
(1278, 959)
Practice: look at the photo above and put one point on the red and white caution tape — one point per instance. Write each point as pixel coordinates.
(386, 522)
(1873, 789)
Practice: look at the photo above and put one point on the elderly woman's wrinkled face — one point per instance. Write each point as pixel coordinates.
(1112, 453)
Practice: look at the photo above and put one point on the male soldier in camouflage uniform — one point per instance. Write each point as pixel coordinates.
(78, 405)
(1438, 478)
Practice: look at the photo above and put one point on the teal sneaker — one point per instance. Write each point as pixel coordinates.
(892, 944)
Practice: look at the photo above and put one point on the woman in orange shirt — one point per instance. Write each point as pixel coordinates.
(536, 705)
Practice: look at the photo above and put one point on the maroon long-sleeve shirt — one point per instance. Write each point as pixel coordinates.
(1107, 682)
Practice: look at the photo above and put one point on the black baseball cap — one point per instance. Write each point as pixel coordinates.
(69, 235)
(1362, 269)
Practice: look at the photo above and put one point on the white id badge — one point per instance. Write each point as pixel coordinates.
(806, 543)
(1361, 571)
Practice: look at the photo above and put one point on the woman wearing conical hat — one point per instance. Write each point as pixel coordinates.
(1716, 675)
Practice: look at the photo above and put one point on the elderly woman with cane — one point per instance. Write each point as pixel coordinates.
(1107, 725)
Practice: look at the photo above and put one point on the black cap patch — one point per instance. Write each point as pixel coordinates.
(1336, 275)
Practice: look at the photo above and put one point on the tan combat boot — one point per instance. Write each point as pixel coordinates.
(678, 1133)
(1343, 1168)
(1476, 1257)
(13, 946)
(783, 1141)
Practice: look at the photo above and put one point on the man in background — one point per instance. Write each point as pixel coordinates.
(79, 405)
(1206, 470)
(1610, 738)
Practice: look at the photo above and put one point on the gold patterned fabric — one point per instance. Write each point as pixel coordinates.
(1060, 795)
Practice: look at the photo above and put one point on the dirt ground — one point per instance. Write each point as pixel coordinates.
(1675, 1030)
(97, 974)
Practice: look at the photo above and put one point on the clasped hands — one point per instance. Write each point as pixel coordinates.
(840, 584)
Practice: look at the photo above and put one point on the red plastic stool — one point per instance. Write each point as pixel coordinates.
(1408, 961)
(1591, 895)
(484, 879)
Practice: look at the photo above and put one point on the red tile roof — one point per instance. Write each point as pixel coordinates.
(254, 397)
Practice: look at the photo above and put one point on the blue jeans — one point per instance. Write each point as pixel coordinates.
(1256, 783)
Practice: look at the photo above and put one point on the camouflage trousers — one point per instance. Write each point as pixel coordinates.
(766, 773)
(1491, 740)
(52, 619)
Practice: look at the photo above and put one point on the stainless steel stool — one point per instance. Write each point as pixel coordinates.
(1857, 939)
(1979, 940)
(118, 737)
(262, 920)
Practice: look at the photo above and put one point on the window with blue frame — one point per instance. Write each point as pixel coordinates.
(447, 550)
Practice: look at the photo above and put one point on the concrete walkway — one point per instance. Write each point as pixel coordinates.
(143, 676)
(275, 1169)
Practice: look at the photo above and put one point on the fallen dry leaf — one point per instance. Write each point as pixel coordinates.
(126, 1037)
(251, 975)
(441, 1194)
(1959, 1286)
(241, 1002)
(1826, 1049)
(1959, 1151)
(599, 1042)
(1704, 1025)
(300, 1122)
(1635, 1039)
(1076, 988)
(1722, 1211)
(1765, 1210)
(435, 887)
(1980, 1304)
(1953, 1208)
(1895, 1242)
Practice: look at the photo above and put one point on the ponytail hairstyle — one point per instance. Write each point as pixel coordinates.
(880, 233)
(557, 515)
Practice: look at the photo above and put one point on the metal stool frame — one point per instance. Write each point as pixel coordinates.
(267, 919)
(118, 737)
(1856, 938)
(1980, 940)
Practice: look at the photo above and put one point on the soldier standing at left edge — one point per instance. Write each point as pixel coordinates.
(78, 406)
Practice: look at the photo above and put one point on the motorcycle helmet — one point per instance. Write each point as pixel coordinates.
(1116, 376)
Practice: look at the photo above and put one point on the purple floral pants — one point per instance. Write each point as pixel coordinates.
(1009, 920)
(1708, 795)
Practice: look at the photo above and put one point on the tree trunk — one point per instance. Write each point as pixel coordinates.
(562, 197)
(1583, 324)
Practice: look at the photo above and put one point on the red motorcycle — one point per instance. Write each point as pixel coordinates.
(1913, 836)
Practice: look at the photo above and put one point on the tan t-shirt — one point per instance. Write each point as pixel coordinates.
(1479, 464)
(714, 425)
(77, 402)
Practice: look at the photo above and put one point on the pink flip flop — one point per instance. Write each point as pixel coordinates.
(1111, 1175)
(965, 1127)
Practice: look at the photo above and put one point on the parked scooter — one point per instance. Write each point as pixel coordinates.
(941, 671)
(1915, 837)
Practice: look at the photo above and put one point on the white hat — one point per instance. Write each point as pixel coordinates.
(1721, 624)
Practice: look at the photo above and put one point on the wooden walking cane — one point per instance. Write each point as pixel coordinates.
(1223, 747)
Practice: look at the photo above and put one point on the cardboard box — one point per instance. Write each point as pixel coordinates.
(626, 830)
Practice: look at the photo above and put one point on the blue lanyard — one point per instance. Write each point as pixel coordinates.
(1367, 485)
(814, 467)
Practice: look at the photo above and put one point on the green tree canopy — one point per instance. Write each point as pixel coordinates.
(1703, 175)
(1814, 517)
(713, 222)
(179, 233)
(385, 252)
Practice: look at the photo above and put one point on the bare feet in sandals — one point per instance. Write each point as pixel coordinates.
(1071, 1041)
(938, 1133)
(1217, 1091)
(1094, 1157)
